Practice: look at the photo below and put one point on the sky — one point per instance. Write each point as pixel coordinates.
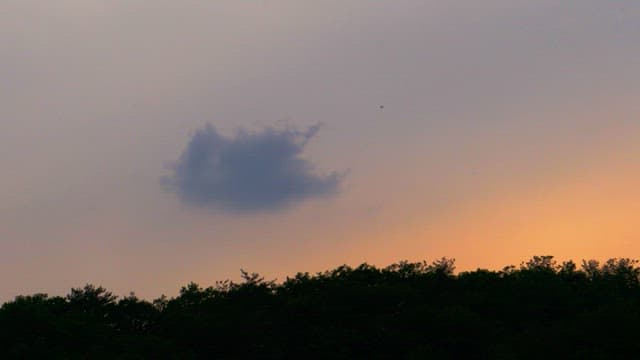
(145, 144)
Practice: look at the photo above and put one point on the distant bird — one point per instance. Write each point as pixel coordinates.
(381, 107)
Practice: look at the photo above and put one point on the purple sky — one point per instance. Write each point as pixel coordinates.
(509, 129)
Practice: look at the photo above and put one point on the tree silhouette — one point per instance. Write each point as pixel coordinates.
(407, 310)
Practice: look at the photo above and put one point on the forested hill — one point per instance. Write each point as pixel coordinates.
(540, 309)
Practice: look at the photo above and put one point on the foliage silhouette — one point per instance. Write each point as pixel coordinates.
(406, 310)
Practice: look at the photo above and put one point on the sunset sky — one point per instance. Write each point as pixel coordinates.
(148, 143)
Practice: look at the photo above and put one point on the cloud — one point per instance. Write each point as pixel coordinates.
(252, 171)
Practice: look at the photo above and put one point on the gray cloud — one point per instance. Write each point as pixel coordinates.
(249, 172)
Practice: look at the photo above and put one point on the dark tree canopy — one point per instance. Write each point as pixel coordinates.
(423, 310)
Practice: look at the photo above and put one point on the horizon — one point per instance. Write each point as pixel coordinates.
(553, 263)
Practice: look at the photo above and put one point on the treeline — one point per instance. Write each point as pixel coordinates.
(540, 309)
